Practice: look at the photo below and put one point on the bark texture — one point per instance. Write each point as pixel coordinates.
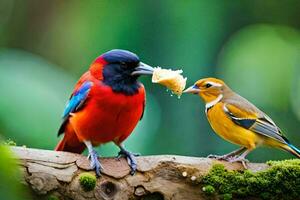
(55, 175)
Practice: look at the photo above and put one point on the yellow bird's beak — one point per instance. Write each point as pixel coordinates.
(193, 90)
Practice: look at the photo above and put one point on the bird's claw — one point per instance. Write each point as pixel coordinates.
(217, 157)
(240, 159)
(130, 159)
(94, 163)
(121, 154)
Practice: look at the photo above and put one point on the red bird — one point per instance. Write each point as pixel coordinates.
(107, 103)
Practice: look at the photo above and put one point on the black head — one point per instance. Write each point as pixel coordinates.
(119, 56)
(122, 70)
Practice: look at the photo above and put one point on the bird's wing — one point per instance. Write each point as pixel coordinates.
(144, 103)
(75, 102)
(144, 106)
(251, 118)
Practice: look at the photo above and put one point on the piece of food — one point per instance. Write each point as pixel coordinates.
(173, 80)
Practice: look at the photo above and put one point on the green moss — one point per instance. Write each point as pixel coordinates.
(227, 196)
(52, 197)
(10, 142)
(280, 181)
(209, 190)
(292, 162)
(87, 181)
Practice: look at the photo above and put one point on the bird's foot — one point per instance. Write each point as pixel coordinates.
(240, 159)
(121, 154)
(130, 159)
(95, 163)
(217, 157)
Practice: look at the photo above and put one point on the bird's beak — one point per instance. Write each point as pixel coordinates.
(193, 90)
(143, 69)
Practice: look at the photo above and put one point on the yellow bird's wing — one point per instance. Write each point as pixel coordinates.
(249, 117)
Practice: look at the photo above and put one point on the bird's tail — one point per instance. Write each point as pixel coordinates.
(292, 149)
(70, 142)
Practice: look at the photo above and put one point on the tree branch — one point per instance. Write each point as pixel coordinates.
(57, 174)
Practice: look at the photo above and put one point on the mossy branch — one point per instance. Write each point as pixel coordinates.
(61, 175)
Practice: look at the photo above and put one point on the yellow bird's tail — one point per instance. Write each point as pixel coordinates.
(292, 149)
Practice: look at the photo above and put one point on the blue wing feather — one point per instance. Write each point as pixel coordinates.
(77, 99)
(75, 103)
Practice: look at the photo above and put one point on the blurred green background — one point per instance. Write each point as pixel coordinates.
(253, 45)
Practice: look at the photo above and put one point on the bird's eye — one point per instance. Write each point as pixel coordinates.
(208, 85)
(123, 64)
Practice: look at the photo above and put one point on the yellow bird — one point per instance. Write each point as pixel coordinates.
(238, 121)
